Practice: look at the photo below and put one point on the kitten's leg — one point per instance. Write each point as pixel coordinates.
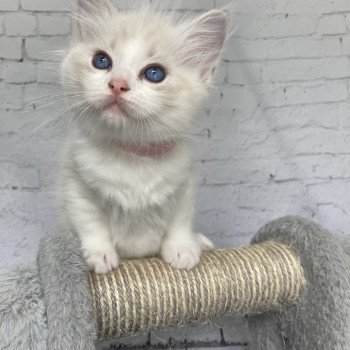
(181, 247)
(87, 220)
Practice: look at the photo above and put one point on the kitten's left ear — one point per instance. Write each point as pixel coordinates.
(204, 41)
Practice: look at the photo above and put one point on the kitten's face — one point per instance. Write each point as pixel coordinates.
(139, 72)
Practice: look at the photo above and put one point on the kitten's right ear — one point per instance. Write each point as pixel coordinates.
(89, 15)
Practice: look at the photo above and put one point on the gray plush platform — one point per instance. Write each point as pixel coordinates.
(50, 307)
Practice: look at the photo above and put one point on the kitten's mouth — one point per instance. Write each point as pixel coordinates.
(116, 106)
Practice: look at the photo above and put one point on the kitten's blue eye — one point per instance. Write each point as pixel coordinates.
(102, 61)
(155, 74)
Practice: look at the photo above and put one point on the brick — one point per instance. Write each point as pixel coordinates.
(244, 73)
(313, 141)
(346, 44)
(283, 48)
(10, 48)
(19, 72)
(288, 195)
(331, 193)
(18, 176)
(237, 97)
(2, 70)
(344, 115)
(44, 5)
(19, 202)
(333, 217)
(287, 26)
(11, 96)
(302, 7)
(238, 171)
(283, 95)
(9, 5)
(1, 25)
(311, 6)
(43, 49)
(340, 6)
(221, 73)
(221, 198)
(53, 24)
(21, 232)
(321, 166)
(277, 26)
(325, 115)
(252, 209)
(347, 20)
(306, 69)
(18, 24)
(334, 24)
(263, 7)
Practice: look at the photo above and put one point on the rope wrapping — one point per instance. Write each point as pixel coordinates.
(148, 294)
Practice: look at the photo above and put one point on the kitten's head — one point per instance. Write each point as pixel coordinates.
(142, 71)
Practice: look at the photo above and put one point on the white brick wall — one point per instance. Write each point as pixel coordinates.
(273, 135)
(277, 121)
(274, 138)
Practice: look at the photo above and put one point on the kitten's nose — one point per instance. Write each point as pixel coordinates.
(118, 86)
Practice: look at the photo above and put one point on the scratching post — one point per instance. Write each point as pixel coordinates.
(144, 295)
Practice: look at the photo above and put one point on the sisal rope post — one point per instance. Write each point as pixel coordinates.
(148, 294)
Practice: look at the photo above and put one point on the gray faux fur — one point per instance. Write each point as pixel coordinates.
(321, 320)
(22, 312)
(67, 293)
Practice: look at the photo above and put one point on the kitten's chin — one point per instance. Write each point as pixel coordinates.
(114, 113)
(114, 117)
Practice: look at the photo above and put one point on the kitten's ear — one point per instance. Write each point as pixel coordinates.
(204, 41)
(90, 13)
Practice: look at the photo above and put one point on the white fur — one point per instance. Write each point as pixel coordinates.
(123, 205)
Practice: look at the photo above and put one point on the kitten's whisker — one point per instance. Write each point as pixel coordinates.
(47, 96)
(34, 100)
(163, 120)
(48, 104)
(55, 116)
(81, 113)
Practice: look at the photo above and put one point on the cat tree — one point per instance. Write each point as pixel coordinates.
(293, 282)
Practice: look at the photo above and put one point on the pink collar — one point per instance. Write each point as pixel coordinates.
(151, 150)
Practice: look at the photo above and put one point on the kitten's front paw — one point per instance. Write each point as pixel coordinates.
(181, 255)
(101, 261)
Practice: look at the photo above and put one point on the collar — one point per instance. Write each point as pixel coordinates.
(151, 150)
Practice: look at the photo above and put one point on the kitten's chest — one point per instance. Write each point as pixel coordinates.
(132, 183)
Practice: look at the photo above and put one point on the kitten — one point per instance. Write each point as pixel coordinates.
(136, 79)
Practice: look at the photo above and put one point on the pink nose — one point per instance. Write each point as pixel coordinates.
(118, 86)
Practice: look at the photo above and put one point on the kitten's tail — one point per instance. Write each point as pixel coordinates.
(204, 242)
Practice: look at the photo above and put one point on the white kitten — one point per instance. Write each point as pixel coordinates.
(136, 80)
